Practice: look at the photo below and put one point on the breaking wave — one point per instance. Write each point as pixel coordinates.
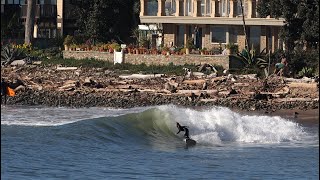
(157, 125)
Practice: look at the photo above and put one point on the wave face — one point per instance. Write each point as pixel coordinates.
(156, 126)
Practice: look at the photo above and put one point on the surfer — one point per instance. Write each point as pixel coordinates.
(183, 128)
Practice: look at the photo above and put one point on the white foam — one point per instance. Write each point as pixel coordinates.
(223, 125)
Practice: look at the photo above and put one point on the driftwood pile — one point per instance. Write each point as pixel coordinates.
(77, 87)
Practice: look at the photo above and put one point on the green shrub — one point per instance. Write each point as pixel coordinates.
(68, 40)
(234, 48)
(190, 43)
(251, 60)
(299, 58)
(306, 72)
(9, 54)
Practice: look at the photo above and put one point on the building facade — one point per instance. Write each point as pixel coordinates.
(66, 17)
(52, 17)
(211, 23)
(45, 25)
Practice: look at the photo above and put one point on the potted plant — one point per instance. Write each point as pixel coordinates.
(68, 40)
(165, 50)
(232, 48)
(183, 50)
(144, 42)
(130, 49)
(114, 47)
(189, 45)
(73, 47)
(203, 50)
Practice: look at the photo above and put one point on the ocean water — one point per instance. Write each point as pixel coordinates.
(141, 143)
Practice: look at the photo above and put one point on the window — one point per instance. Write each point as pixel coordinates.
(233, 35)
(238, 9)
(170, 7)
(224, 7)
(189, 7)
(152, 8)
(3, 1)
(54, 2)
(208, 6)
(203, 7)
(180, 35)
(10, 1)
(218, 34)
(23, 2)
(255, 32)
(16, 1)
(174, 6)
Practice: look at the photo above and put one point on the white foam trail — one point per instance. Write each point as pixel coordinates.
(223, 125)
(53, 116)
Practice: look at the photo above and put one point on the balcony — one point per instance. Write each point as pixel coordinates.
(42, 11)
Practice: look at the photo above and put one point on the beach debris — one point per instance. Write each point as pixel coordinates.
(194, 82)
(95, 87)
(170, 87)
(248, 76)
(60, 68)
(204, 67)
(20, 62)
(187, 72)
(141, 76)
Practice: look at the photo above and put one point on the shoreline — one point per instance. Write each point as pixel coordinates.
(91, 87)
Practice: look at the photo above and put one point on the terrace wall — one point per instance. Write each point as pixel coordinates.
(149, 59)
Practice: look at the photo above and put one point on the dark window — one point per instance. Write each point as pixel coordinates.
(218, 34)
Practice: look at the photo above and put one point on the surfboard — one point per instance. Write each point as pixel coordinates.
(191, 142)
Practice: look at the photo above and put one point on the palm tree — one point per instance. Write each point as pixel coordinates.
(244, 27)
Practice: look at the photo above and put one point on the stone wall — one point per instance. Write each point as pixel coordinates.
(153, 59)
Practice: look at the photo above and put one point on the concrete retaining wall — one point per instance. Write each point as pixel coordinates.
(153, 59)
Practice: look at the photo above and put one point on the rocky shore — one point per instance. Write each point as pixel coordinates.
(80, 87)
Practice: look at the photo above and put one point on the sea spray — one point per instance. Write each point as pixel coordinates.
(218, 124)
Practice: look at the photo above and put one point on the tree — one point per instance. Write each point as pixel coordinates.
(301, 20)
(11, 27)
(29, 27)
(107, 20)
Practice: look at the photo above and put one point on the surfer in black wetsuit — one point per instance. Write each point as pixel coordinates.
(183, 128)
